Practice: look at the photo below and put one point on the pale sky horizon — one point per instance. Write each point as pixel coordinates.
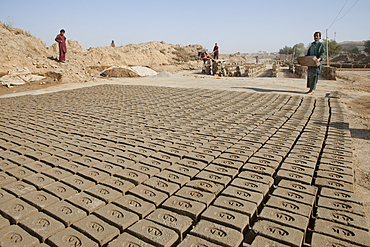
(236, 25)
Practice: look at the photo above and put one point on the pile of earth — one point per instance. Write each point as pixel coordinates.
(352, 58)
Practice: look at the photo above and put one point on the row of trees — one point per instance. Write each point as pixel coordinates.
(334, 49)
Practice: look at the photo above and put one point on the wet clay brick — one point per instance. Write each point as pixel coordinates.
(251, 185)
(191, 240)
(260, 241)
(196, 195)
(226, 171)
(294, 176)
(154, 233)
(19, 188)
(285, 218)
(86, 202)
(6, 179)
(5, 196)
(237, 205)
(60, 190)
(161, 185)
(290, 206)
(339, 205)
(128, 240)
(261, 169)
(217, 234)
(70, 237)
(341, 217)
(135, 204)
(226, 217)
(184, 206)
(342, 232)
(173, 177)
(40, 199)
(282, 234)
(77, 182)
(205, 185)
(322, 240)
(294, 196)
(16, 237)
(132, 176)
(179, 223)
(96, 229)
(192, 163)
(253, 176)
(244, 194)
(228, 163)
(41, 225)
(118, 184)
(104, 193)
(149, 194)
(334, 184)
(15, 210)
(65, 212)
(299, 187)
(160, 164)
(117, 216)
(341, 195)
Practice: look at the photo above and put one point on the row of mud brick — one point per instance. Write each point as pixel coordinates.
(154, 166)
(275, 70)
(220, 68)
(326, 72)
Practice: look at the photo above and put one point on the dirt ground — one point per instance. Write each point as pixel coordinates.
(353, 85)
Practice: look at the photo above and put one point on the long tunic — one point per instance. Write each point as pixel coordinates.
(316, 49)
(62, 47)
(215, 50)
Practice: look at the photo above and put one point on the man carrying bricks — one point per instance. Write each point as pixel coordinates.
(316, 49)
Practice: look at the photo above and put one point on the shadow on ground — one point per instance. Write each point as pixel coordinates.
(263, 90)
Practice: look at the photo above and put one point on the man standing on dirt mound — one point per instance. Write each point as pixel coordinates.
(61, 39)
(316, 49)
(215, 52)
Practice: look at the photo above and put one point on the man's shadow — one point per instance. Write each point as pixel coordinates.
(270, 90)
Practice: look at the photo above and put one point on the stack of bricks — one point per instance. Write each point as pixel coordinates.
(117, 165)
(275, 70)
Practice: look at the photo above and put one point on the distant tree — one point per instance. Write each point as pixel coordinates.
(334, 48)
(367, 47)
(351, 49)
(300, 50)
(286, 50)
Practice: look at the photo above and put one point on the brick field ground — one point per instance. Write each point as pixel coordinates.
(115, 165)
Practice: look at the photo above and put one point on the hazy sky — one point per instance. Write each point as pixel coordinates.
(236, 25)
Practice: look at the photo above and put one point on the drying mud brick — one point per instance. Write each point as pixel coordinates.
(41, 225)
(200, 157)
(337, 169)
(149, 194)
(135, 204)
(214, 177)
(294, 196)
(160, 164)
(298, 169)
(282, 234)
(20, 172)
(251, 185)
(70, 237)
(192, 163)
(7, 165)
(284, 218)
(323, 240)
(39, 180)
(226, 171)
(40, 199)
(341, 195)
(119, 161)
(237, 205)
(253, 176)
(173, 177)
(153, 233)
(228, 163)
(5, 196)
(187, 171)
(226, 217)
(260, 241)
(179, 223)
(93, 174)
(106, 167)
(16, 210)
(342, 232)
(261, 169)
(339, 205)
(126, 239)
(217, 234)
(6, 179)
(132, 176)
(86, 161)
(19, 188)
(335, 176)
(77, 182)
(172, 159)
(243, 194)
(205, 185)
(86, 202)
(117, 216)
(161, 185)
(341, 217)
(60, 190)
(299, 187)
(118, 184)
(3, 222)
(146, 169)
(184, 206)
(57, 173)
(37, 166)
(104, 193)
(96, 229)
(294, 176)
(196, 195)
(21, 160)
(65, 212)
(191, 240)
(16, 237)
(290, 206)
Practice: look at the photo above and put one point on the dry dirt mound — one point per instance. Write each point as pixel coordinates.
(353, 58)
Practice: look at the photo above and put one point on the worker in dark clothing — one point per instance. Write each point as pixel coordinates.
(215, 52)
